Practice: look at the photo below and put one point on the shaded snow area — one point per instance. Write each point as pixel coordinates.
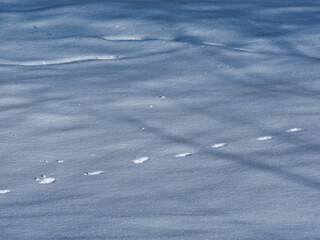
(160, 120)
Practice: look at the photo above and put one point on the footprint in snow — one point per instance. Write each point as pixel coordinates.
(141, 160)
(182, 155)
(4, 191)
(93, 173)
(294, 130)
(45, 180)
(264, 138)
(218, 145)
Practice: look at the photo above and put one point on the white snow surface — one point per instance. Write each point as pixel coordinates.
(140, 160)
(45, 180)
(94, 173)
(183, 154)
(4, 191)
(264, 138)
(80, 80)
(294, 130)
(218, 145)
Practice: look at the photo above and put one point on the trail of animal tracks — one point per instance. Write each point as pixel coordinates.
(159, 120)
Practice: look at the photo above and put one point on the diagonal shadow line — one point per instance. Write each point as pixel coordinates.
(246, 161)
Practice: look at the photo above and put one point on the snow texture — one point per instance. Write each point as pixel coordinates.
(141, 160)
(45, 180)
(264, 138)
(94, 173)
(183, 155)
(101, 83)
(294, 130)
(4, 191)
(218, 145)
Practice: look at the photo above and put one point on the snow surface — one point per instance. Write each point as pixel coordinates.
(294, 130)
(82, 81)
(218, 145)
(94, 173)
(45, 180)
(183, 154)
(4, 191)
(264, 138)
(141, 160)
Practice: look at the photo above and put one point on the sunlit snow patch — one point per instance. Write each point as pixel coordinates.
(183, 155)
(141, 160)
(264, 138)
(94, 173)
(218, 145)
(122, 38)
(45, 180)
(61, 61)
(294, 130)
(4, 191)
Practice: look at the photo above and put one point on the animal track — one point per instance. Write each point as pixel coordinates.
(294, 130)
(93, 173)
(218, 145)
(141, 160)
(264, 138)
(4, 191)
(183, 155)
(45, 180)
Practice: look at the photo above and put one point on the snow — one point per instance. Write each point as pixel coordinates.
(183, 154)
(59, 61)
(264, 138)
(102, 83)
(4, 191)
(294, 130)
(94, 173)
(45, 180)
(141, 160)
(218, 145)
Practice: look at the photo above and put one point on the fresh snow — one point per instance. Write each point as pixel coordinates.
(264, 138)
(141, 160)
(45, 180)
(4, 191)
(183, 154)
(294, 130)
(94, 173)
(218, 145)
(104, 84)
